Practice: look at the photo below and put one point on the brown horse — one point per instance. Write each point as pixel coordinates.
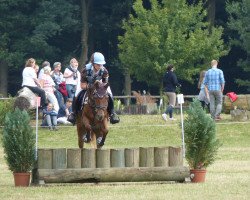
(93, 120)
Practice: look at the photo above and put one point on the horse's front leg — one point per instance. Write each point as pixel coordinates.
(88, 129)
(104, 131)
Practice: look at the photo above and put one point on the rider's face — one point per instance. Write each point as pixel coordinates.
(97, 66)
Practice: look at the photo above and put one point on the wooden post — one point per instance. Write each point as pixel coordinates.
(161, 156)
(88, 158)
(147, 157)
(59, 158)
(132, 157)
(73, 158)
(103, 158)
(117, 158)
(175, 156)
(44, 159)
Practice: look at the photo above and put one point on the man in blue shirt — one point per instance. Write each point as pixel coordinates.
(214, 86)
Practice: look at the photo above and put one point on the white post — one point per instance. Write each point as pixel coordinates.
(38, 100)
(180, 99)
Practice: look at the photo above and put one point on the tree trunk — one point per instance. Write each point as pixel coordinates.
(3, 79)
(211, 14)
(127, 86)
(85, 31)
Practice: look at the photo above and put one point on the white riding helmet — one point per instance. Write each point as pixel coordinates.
(99, 58)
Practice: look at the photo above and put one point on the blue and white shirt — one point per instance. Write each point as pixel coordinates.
(214, 79)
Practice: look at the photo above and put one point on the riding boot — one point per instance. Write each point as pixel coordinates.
(114, 118)
(76, 107)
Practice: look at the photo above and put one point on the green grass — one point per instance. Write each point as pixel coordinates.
(227, 178)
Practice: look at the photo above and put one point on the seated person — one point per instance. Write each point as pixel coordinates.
(50, 117)
(64, 112)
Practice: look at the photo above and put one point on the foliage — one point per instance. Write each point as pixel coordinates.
(18, 141)
(200, 137)
(36, 24)
(239, 15)
(5, 106)
(170, 32)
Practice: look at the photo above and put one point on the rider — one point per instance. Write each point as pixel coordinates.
(94, 71)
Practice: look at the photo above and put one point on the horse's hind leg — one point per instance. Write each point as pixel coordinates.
(80, 131)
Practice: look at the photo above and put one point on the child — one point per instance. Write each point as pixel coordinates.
(50, 117)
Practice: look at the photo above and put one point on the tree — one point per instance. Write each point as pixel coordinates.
(168, 32)
(239, 15)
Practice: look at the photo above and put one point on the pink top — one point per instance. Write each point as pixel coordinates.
(48, 83)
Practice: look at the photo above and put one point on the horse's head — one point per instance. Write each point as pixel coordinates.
(99, 99)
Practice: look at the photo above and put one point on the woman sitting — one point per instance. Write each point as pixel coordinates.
(30, 80)
(48, 85)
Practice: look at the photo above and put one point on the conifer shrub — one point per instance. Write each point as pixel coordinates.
(18, 141)
(6, 105)
(200, 137)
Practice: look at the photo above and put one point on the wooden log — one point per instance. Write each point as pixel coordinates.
(74, 158)
(239, 115)
(88, 158)
(243, 103)
(59, 158)
(44, 158)
(26, 99)
(161, 156)
(132, 157)
(117, 158)
(146, 157)
(175, 156)
(103, 158)
(127, 174)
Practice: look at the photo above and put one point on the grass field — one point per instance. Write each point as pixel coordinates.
(227, 178)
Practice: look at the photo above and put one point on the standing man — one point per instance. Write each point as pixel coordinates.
(170, 83)
(214, 86)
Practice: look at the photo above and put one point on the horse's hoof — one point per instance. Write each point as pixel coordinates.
(99, 140)
(86, 139)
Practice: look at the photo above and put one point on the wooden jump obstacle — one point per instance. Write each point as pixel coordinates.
(111, 165)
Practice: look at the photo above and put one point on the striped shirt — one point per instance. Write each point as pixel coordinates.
(214, 79)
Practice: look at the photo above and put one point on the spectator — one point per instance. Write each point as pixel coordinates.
(50, 117)
(64, 112)
(170, 83)
(48, 85)
(44, 64)
(71, 75)
(30, 80)
(203, 97)
(57, 76)
(214, 85)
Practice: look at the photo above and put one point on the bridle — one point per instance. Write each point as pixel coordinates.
(92, 95)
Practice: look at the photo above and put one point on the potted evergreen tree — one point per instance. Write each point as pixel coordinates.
(200, 140)
(19, 145)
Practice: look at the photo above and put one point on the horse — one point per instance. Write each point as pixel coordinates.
(92, 121)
